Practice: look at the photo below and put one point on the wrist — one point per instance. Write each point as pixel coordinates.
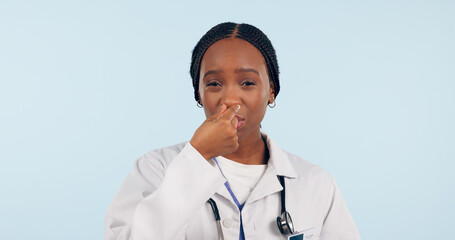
(201, 150)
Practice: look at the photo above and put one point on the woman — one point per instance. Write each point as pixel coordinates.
(230, 181)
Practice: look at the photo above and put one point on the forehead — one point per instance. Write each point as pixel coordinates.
(232, 52)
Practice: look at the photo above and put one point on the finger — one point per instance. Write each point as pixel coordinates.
(230, 112)
(218, 114)
(234, 122)
(223, 110)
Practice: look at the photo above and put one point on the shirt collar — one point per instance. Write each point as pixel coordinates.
(279, 159)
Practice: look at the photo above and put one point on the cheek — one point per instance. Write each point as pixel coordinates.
(262, 103)
(257, 103)
(204, 102)
(210, 103)
(257, 100)
(261, 97)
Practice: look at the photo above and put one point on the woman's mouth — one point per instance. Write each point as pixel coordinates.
(240, 122)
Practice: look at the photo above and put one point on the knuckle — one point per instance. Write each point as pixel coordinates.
(232, 132)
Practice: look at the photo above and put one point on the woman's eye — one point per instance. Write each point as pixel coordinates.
(248, 83)
(213, 84)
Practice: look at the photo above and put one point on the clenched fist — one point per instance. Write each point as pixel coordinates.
(218, 134)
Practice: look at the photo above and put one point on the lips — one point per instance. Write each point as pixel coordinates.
(240, 122)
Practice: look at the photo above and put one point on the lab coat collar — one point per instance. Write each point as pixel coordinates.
(279, 159)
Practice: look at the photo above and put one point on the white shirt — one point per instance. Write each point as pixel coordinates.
(242, 178)
(165, 197)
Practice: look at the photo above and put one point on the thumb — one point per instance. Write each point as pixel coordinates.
(234, 122)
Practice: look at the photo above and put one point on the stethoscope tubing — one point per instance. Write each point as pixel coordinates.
(217, 218)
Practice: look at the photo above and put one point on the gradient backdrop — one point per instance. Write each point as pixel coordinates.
(87, 87)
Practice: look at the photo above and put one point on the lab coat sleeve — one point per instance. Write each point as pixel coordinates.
(338, 223)
(156, 202)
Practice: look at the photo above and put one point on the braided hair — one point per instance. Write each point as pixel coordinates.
(243, 31)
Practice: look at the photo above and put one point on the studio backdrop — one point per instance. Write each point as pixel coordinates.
(87, 87)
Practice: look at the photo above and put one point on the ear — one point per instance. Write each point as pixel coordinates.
(271, 93)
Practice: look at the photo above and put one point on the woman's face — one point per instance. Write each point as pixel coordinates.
(233, 72)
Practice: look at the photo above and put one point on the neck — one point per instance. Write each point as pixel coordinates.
(252, 150)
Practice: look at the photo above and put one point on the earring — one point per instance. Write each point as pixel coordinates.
(274, 104)
(199, 105)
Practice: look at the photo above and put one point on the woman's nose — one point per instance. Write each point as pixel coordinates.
(231, 96)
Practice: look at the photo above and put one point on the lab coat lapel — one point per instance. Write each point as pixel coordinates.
(278, 165)
(268, 184)
(223, 192)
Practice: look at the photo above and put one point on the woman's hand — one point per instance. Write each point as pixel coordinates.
(218, 134)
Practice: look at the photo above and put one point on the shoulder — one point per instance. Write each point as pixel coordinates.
(155, 162)
(295, 167)
(311, 180)
(162, 156)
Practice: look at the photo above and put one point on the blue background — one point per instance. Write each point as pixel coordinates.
(87, 87)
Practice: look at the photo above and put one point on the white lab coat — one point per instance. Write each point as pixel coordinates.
(165, 197)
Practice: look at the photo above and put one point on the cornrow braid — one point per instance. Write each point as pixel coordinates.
(243, 31)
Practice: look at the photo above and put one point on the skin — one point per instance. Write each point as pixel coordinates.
(233, 87)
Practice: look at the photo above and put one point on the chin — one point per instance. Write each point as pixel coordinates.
(243, 133)
(247, 130)
(240, 136)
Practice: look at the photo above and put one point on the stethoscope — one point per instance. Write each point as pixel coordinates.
(284, 221)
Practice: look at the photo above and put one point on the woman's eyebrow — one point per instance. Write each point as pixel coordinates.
(242, 70)
(212, 72)
(238, 70)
